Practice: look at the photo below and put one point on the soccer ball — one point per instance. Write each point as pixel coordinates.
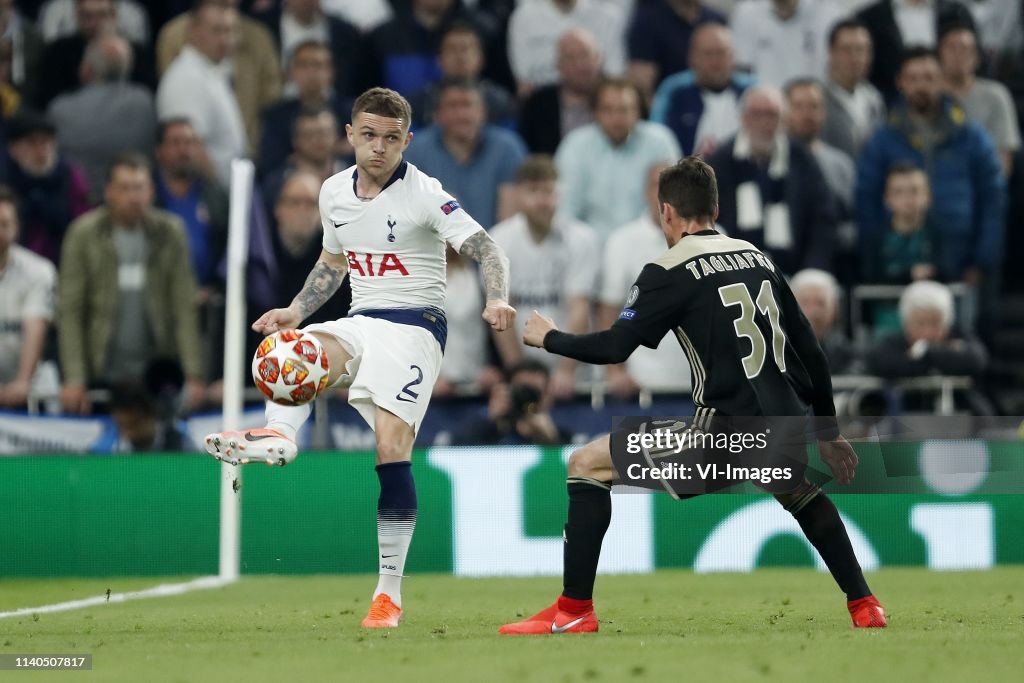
(290, 368)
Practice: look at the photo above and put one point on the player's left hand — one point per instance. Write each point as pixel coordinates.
(499, 314)
(840, 458)
(537, 328)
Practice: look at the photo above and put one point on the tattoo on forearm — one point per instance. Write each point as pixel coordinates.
(322, 283)
(493, 264)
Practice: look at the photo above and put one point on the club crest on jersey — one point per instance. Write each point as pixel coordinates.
(448, 207)
(634, 293)
(391, 228)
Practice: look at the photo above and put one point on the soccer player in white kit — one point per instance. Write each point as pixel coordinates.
(385, 225)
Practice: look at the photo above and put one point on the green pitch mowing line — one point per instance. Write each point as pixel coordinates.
(786, 625)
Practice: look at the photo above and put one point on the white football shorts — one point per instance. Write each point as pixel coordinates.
(394, 366)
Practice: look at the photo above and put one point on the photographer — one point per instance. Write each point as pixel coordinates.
(518, 412)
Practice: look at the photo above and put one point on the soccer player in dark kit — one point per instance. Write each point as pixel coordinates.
(751, 353)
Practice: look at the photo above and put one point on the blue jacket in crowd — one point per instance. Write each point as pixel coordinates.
(968, 189)
(679, 104)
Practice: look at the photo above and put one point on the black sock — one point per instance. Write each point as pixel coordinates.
(822, 526)
(590, 512)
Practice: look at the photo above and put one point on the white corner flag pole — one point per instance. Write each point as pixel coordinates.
(242, 172)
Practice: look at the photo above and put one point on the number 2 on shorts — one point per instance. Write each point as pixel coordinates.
(407, 394)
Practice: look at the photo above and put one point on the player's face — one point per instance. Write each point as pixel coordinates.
(907, 196)
(460, 113)
(850, 56)
(461, 55)
(8, 226)
(958, 53)
(711, 56)
(924, 324)
(312, 72)
(818, 308)
(538, 201)
(129, 194)
(618, 110)
(920, 83)
(378, 142)
(805, 114)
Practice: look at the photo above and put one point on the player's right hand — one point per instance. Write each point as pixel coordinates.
(499, 314)
(277, 319)
(840, 458)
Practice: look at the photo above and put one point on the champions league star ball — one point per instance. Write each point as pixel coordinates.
(290, 368)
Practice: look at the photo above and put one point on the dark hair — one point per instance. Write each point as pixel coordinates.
(310, 44)
(690, 187)
(951, 27)
(463, 84)
(462, 26)
(165, 125)
(616, 84)
(904, 168)
(7, 196)
(312, 113)
(130, 160)
(844, 25)
(383, 102)
(537, 168)
(915, 52)
(528, 365)
(446, 84)
(802, 82)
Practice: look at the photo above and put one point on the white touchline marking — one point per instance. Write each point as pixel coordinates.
(161, 591)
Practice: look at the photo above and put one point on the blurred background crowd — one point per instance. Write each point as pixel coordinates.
(871, 148)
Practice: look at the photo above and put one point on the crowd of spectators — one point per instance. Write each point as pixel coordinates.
(855, 142)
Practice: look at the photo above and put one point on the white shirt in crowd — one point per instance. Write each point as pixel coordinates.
(916, 21)
(197, 89)
(466, 352)
(776, 50)
(395, 242)
(545, 275)
(628, 249)
(720, 120)
(864, 105)
(536, 25)
(294, 33)
(365, 15)
(26, 292)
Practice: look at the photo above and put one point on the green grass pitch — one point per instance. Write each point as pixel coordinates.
(774, 624)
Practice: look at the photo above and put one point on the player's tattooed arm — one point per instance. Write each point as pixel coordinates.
(493, 264)
(321, 284)
(494, 271)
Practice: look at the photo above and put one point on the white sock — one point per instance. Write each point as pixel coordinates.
(287, 419)
(396, 521)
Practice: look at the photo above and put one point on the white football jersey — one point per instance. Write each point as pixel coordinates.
(395, 242)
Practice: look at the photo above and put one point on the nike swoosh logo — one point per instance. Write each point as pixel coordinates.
(384, 557)
(399, 397)
(340, 225)
(566, 627)
(249, 436)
